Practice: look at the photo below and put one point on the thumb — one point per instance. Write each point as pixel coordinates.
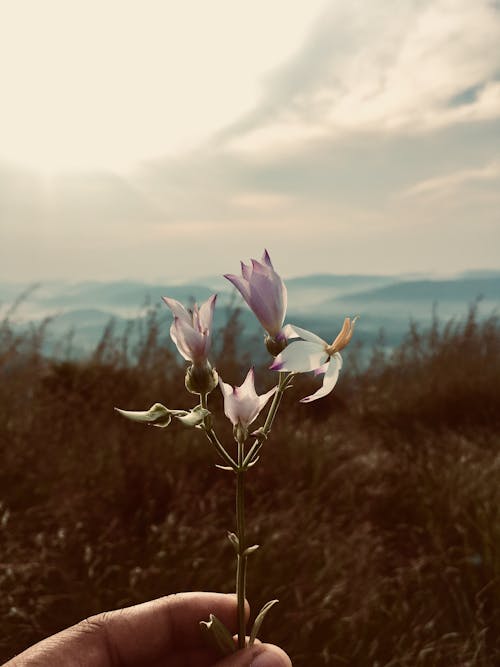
(260, 655)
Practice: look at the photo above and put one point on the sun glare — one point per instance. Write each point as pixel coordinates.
(106, 84)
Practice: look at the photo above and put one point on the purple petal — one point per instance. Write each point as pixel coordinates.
(177, 309)
(246, 271)
(190, 343)
(267, 260)
(241, 285)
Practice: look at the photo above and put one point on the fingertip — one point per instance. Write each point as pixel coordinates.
(270, 655)
(260, 655)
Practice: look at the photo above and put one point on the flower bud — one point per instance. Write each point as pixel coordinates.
(201, 378)
(275, 345)
(240, 432)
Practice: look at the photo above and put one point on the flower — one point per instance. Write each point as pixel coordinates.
(265, 293)
(190, 330)
(314, 354)
(242, 406)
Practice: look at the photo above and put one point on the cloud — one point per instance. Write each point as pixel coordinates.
(400, 66)
(455, 182)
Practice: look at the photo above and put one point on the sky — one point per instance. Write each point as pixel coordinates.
(162, 140)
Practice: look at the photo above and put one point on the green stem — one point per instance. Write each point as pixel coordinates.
(211, 435)
(241, 567)
(284, 381)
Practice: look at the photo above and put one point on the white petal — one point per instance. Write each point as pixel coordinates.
(329, 381)
(225, 388)
(190, 343)
(206, 313)
(247, 389)
(300, 357)
(292, 331)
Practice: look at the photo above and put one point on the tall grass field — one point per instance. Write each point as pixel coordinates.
(377, 508)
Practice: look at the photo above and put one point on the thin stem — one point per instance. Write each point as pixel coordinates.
(241, 567)
(284, 381)
(211, 435)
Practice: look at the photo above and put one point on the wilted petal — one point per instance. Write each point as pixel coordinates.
(329, 381)
(300, 357)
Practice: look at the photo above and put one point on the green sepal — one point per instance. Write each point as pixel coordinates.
(258, 621)
(223, 467)
(157, 415)
(218, 635)
(195, 417)
(234, 541)
(251, 550)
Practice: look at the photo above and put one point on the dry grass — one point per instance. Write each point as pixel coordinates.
(377, 508)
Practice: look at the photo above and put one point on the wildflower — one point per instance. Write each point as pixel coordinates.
(314, 354)
(159, 415)
(191, 330)
(242, 406)
(265, 293)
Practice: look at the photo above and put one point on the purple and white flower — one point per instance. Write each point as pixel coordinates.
(242, 405)
(312, 353)
(191, 330)
(265, 293)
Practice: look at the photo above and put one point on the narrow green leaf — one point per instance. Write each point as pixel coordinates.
(234, 541)
(258, 621)
(218, 635)
(250, 550)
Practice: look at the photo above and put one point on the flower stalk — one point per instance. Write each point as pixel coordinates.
(191, 331)
(241, 563)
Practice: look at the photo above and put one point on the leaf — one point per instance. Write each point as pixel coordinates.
(157, 415)
(250, 550)
(258, 621)
(218, 635)
(234, 541)
(195, 417)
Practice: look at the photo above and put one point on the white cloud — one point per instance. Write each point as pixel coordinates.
(398, 66)
(454, 182)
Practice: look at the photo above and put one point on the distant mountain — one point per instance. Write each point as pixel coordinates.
(341, 282)
(123, 294)
(317, 302)
(462, 290)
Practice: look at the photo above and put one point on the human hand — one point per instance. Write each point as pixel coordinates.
(161, 633)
